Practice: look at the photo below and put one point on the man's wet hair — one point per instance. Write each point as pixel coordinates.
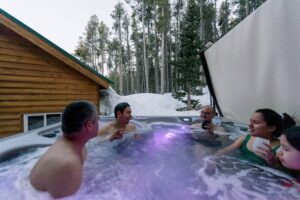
(121, 107)
(76, 114)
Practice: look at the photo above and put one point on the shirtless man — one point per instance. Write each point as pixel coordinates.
(115, 130)
(59, 170)
(207, 114)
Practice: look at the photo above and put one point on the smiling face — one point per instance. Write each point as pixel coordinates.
(125, 116)
(288, 155)
(258, 126)
(207, 113)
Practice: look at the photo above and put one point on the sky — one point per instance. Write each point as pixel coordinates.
(60, 21)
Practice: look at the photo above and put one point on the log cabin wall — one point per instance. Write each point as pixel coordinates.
(33, 81)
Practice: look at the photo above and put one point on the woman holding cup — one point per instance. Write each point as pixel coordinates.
(259, 145)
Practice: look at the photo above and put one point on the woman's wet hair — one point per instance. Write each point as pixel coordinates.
(76, 114)
(120, 107)
(272, 118)
(292, 135)
(287, 121)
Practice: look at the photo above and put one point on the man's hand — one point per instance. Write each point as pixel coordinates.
(117, 135)
(137, 136)
(209, 129)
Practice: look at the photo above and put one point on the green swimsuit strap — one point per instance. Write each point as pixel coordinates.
(249, 155)
(274, 149)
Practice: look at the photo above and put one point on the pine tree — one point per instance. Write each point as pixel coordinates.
(189, 61)
(223, 19)
(209, 15)
(178, 15)
(117, 15)
(136, 38)
(103, 42)
(81, 50)
(164, 17)
(127, 58)
(92, 39)
(243, 8)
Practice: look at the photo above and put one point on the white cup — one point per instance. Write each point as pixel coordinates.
(217, 121)
(259, 142)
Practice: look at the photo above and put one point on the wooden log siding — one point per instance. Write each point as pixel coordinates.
(33, 81)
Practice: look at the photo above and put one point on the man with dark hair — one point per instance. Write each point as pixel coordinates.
(120, 107)
(120, 125)
(59, 170)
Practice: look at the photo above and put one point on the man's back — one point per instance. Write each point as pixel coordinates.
(59, 171)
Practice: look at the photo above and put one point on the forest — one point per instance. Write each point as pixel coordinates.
(154, 46)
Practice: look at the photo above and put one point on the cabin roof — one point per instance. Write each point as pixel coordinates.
(48, 46)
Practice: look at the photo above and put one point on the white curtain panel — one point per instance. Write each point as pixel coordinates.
(257, 64)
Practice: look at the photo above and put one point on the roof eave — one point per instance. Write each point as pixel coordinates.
(45, 44)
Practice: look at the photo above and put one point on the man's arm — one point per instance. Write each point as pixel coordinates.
(130, 128)
(110, 133)
(84, 153)
(104, 131)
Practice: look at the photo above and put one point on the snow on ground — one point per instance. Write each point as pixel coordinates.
(149, 104)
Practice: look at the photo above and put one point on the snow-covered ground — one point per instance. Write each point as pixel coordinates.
(149, 104)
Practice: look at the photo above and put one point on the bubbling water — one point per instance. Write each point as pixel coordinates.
(167, 161)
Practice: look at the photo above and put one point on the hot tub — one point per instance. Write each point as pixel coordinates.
(168, 161)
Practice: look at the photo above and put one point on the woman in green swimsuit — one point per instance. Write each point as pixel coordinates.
(266, 124)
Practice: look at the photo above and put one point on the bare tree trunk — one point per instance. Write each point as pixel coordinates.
(171, 86)
(137, 78)
(120, 59)
(144, 48)
(156, 69)
(129, 67)
(202, 34)
(202, 31)
(247, 8)
(162, 62)
(189, 107)
(133, 90)
(216, 35)
(177, 44)
(127, 82)
(101, 67)
(167, 66)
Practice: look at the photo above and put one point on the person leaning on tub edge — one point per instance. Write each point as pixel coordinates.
(59, 170)
(207, 114)
(115, 130)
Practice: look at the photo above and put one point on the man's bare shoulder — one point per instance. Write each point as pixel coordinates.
(130, 127)
(107, 129)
